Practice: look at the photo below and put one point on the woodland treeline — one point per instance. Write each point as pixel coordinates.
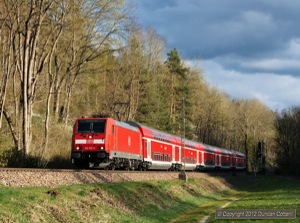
(65, 59)
(288, 140)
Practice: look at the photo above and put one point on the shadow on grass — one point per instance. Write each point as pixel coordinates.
(15, 158)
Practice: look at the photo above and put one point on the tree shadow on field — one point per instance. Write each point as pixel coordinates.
(149, 200)
(15, 158)
(59, 162)
(258, 183)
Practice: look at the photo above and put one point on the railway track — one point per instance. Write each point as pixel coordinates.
(92, 170)
(39, 177)
(56, 170)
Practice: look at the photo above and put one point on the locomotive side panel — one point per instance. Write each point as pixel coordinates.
(127, 142)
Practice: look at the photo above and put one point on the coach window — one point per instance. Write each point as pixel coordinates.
(113, 129)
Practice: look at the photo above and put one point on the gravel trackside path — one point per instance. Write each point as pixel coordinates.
(52, 177)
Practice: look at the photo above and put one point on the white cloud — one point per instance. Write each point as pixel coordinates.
(275, 64)
(293, 48)
(276, 91)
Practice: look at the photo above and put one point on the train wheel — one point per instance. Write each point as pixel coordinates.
(112, 166)
(140, 167)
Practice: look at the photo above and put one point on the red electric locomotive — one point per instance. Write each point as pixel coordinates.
(106, 143)
(110, 144)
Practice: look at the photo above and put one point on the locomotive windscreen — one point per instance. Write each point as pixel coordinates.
(96, 126)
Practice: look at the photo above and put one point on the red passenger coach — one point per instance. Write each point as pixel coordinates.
(167, 152)
(106, 143)
(190, 150)
(239, 160)
(209, 158)
(223, 158)
(160, 150)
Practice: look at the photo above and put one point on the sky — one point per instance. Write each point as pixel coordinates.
(249, 49)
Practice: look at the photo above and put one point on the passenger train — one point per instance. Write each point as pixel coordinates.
(110, 144)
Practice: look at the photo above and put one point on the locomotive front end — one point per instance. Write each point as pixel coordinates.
(88, 143)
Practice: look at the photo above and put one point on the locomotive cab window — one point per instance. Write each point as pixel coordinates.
(86, 126)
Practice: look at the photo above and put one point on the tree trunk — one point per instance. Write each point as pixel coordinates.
(246, 150)
(11, 127)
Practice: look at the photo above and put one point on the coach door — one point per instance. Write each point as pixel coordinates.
(218, 160)
(173, 153)
(148, 146)
(179, 153)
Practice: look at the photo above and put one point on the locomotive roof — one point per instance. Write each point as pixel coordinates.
(118, 123)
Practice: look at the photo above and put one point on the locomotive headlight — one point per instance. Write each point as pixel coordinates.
(77, 148)
(100, 147)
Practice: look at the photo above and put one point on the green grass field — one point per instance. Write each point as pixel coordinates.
(151, 201)
(269, 193)
(263, 193)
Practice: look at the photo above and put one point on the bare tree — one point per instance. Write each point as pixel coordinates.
(56, 25)
(254, 122)
(94, 28)
(7, 68)
(28, 33)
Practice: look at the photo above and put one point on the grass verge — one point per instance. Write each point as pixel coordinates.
(151, 201)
